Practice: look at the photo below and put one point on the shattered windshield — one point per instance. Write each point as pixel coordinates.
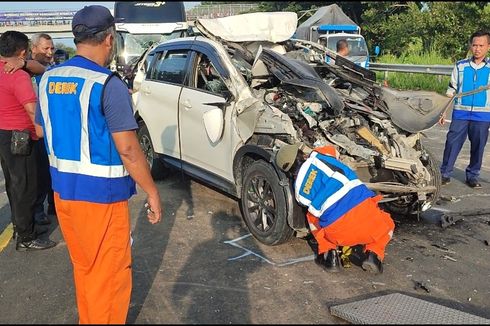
(243, 67)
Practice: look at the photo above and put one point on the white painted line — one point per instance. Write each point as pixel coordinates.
(249, 252)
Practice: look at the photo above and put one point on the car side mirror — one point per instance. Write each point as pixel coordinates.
(377, 50)
(214, 124)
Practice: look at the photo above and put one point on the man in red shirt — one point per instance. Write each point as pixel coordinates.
(17, 109)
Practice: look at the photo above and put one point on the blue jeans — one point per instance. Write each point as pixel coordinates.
(477, 132)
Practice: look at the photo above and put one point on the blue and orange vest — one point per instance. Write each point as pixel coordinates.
(328, 188)
(84, 162)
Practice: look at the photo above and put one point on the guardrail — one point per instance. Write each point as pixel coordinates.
(444, 70)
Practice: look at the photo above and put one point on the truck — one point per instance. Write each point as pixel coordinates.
(139, 24)
(330, 24)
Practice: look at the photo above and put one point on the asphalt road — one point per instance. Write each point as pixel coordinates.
(200, 265)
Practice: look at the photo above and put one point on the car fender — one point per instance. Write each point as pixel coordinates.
(295, 216)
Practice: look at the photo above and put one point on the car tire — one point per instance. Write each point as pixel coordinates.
(263, 204)
(157, 168)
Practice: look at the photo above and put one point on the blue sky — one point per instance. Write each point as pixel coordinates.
(65, 5)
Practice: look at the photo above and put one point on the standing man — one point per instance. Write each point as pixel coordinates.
(42, 50)
(17, 107)
(471, 113)
(86, 116)
(60, 56)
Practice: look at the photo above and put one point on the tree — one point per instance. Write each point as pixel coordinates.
(444, 27)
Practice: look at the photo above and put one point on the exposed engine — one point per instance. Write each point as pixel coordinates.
(388, 159)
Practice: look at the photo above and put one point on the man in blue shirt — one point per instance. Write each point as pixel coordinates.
(471, 113)
(86, 117)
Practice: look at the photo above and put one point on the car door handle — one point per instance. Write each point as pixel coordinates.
(146, 91)
(187, 104)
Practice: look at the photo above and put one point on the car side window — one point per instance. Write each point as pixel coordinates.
(170, 66)
(207, 77)
(148, 61)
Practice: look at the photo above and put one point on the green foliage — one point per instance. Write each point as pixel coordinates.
(407, 81)
(445, 26)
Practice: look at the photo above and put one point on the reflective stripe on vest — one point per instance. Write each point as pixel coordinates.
(328, 188)
(477, 106)
(85, 164)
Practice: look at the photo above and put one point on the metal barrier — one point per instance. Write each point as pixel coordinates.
(444, 70)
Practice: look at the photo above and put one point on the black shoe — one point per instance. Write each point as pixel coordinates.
(51, 210)
(357, 255)
(36, 244)
(372, 263)
(473, 183)
(42, 220)
(329, 260)
(445, 180)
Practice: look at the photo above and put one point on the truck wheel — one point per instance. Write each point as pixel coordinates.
(157, 168)
(263, 204)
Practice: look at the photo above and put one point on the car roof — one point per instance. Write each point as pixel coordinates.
(186, 41)
(202, 44)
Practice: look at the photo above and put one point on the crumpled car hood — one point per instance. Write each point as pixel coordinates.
(414, 111)
(260, 26)
(298, 73)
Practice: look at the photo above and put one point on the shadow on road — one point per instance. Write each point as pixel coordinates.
(151, 242)
(211, 288)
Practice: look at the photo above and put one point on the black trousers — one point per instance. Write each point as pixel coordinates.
(43, 179)
(20, 174)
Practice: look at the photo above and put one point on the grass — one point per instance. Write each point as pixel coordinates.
(411, 81)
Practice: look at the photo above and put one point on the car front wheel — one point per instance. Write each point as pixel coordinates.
(263, 204)
(157, 168)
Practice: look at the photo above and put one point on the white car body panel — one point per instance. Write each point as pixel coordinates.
(160, 104)
(260, 26)
(197, 148)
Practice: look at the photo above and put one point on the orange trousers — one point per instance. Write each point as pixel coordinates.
(98, 241)
(366, 224)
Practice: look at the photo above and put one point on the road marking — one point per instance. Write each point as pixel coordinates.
(5, 236)
(250, 252)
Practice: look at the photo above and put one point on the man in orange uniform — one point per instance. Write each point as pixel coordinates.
(95, 158)
(342, 211)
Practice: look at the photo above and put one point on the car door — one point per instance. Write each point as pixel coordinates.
(158, 102)
(196, 101)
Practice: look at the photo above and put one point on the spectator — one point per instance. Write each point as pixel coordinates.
(94, 155)
(42, 48)
(17, 107)
(60, 56)
(471, 114)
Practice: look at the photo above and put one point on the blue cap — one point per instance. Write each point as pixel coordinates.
(94, 18)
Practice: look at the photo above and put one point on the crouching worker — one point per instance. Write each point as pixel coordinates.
(342, 211)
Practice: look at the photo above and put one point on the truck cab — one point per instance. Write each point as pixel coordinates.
(141, 24)
(329, 35)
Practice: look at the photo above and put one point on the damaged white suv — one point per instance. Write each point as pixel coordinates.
(221, 105)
